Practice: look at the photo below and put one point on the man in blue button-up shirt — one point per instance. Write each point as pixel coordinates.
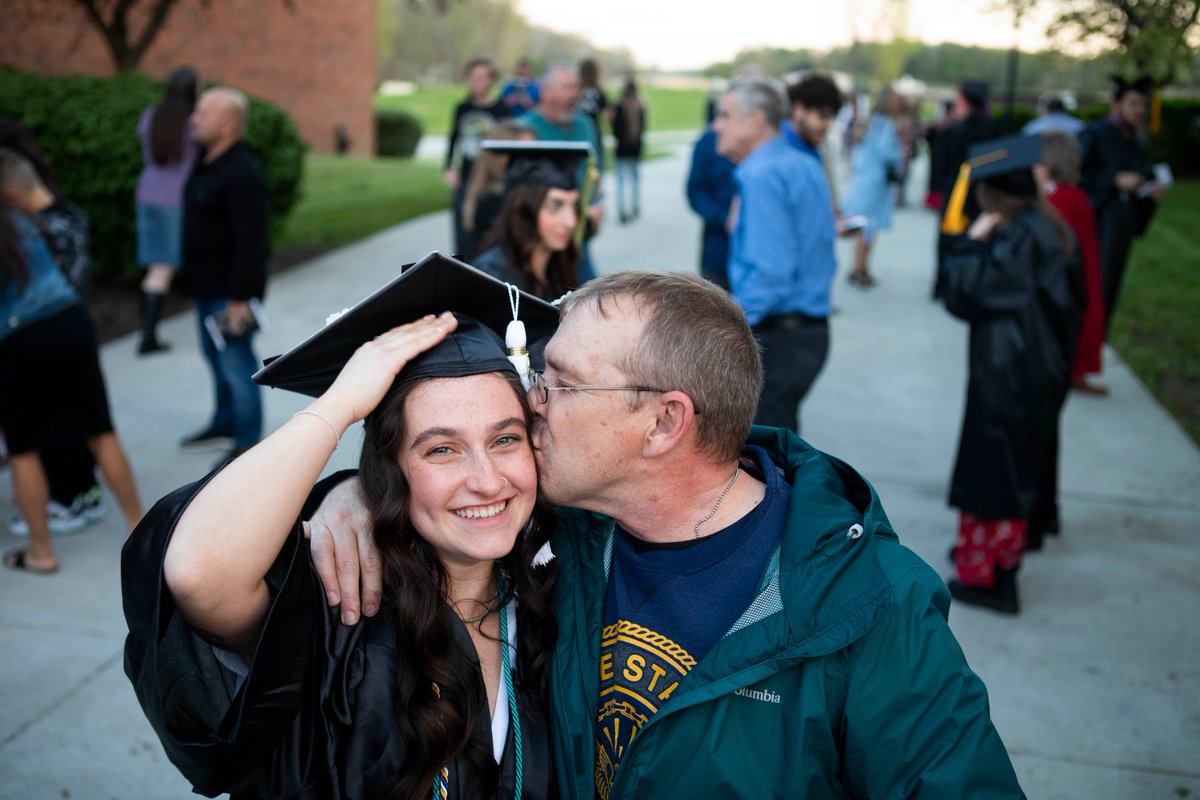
(781, 259)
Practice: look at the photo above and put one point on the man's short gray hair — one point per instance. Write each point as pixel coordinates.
(760, 94)
(555, 67)
(694, 339)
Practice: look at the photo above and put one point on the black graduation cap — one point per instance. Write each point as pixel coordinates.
(975, 91)
(541, 163)
(1121, 86)
(1007, 163)
(436, 283)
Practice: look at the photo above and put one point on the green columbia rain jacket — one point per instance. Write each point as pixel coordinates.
(842, 679)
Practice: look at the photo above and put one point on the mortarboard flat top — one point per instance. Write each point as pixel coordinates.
(434, 284)
(997, 157)
(976, 91)
(541, 163)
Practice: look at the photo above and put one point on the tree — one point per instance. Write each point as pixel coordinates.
(1151, 37)
(113, 20)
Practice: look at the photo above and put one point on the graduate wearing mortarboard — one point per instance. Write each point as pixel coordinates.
(248, 677)
(1116, 165)
(1016, 278)
(535, 242)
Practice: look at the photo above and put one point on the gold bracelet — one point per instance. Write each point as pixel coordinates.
(337, 438)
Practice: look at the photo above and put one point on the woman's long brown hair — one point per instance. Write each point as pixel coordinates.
(436, 726)
(517, 235)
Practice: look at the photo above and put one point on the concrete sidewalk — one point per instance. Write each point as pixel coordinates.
(1094, 687)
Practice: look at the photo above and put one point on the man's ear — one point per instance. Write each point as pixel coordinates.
(673, 420)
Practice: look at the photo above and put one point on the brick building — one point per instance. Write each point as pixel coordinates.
(314, 58)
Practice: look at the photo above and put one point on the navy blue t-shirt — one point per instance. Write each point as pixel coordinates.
(668, 604)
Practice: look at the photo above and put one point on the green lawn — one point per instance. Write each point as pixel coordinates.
(347, 198)
(1157, 324)
(670, 109)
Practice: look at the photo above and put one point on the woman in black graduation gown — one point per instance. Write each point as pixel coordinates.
(533, 243)
(249, 679)
(1016, 278)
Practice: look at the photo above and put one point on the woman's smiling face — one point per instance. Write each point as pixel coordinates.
(469, 466)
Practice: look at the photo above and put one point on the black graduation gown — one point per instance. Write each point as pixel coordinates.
(1023, 297)
(1120, 216)
(495, 262)
(315, 716)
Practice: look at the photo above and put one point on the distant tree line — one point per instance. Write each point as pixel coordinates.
(946, 65)
(431, 43)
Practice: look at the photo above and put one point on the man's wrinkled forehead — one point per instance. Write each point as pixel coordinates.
(594, 324)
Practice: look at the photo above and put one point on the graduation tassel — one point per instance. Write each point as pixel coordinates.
(516, 342)
(954, 221)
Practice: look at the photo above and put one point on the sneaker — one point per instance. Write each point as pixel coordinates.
(90, 505)
(206, 440)
(62, 520)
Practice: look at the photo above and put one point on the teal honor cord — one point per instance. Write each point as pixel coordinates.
(441, 781)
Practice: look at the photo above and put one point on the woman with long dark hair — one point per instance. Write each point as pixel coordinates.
(443, 693)
(1016, 279)
(533, 243)
(53, 389)
(168, 153)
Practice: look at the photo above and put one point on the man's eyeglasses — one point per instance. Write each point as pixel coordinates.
(542, 389)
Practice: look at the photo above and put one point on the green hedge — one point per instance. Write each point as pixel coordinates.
(397, 133)
(87, 128)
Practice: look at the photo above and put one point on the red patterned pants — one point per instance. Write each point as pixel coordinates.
(985, 544)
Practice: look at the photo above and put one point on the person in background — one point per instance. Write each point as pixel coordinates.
(1015, 279)
(484, 193)
(76, 499)
(53, 386)
(594, 103)
(711, 189)
(168, 154)
(1053, 117)
(876, 165)
(815, 100)
(520, 93)
(972, 124)
(557, 118)
(532, 244)
(1115, 173)
(629, 122)
(781, 257)
(226, 247)
(477, 114)
(1058, 177)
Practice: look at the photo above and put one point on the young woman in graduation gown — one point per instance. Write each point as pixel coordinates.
(249, 679)
(532, 244)
(1015, 278)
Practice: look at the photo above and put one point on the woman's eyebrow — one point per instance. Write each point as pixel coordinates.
(439, 432)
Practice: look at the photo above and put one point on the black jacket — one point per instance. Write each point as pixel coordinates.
(1023, 296)
(226, 236)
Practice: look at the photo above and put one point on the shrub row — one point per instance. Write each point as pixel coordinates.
(87, 128)
(397, 133)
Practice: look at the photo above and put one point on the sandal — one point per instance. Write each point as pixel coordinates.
(15, 560)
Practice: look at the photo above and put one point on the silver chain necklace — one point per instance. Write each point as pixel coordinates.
(713, 513)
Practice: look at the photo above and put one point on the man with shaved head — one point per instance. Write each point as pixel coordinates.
(225, 254)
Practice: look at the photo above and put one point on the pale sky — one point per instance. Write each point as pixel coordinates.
(689, 34)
